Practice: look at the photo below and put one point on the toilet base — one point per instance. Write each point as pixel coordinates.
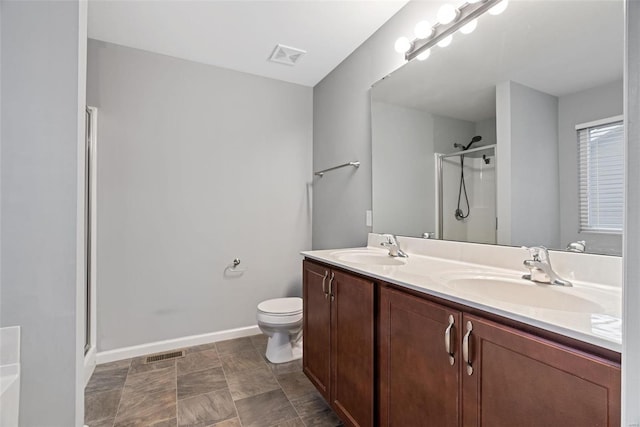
(280, 348)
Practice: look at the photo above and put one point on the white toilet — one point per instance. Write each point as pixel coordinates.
(281, 320)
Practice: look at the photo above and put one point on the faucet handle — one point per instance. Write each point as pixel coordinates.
(536, 251)
(391, 239)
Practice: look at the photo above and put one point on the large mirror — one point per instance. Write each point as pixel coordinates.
(511, 135)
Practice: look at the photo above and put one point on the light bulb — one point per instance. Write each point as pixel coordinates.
(445, 41)
(424, 55)
(423, 29)
(402, 45)
(468, 29)
(447, 13)
(499, 8)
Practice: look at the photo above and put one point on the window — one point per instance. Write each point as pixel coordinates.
(601, 175)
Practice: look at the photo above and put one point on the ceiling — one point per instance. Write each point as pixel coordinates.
(557, 47)
(242, 34)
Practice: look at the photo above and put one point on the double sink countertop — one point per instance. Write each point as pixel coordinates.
(589, 312)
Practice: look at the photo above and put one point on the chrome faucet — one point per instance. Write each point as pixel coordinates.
(393, 246)
(540, 268)
(579, 246)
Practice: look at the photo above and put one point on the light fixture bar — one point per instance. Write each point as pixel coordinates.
(468, 12)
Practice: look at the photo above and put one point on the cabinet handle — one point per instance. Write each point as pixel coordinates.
(465, 348)
(324, 291)
(331, 286)
(447, 340)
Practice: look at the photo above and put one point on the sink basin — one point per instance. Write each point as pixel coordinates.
(519, 291)
(367, 257)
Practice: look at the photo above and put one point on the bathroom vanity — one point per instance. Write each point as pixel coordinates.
(339, 339)
(390, 341)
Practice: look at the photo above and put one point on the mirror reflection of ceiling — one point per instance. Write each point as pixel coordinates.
(558, 47)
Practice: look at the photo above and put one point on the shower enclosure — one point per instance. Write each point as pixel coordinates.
(466, 195)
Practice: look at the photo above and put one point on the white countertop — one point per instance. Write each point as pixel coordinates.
(588, 312)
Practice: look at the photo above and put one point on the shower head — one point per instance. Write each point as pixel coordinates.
(474, 139)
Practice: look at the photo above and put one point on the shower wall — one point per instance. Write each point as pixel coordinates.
(480, 182)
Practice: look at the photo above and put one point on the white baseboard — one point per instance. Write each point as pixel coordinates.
(173, 344)
(89, 364)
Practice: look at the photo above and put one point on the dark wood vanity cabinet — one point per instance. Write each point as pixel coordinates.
(338, 343)
(316, 327)
(505, 377)
(515, 378)
(436, 365)
(419, 362)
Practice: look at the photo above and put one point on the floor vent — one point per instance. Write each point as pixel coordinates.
(164, 356)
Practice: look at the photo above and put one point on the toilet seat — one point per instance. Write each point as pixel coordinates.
(281, 320)
(281, 306)
(270, 319)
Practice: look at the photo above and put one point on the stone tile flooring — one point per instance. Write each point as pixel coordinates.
(224, 384)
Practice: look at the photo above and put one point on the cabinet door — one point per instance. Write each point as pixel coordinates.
(519, 379)
(316, 332)
(419, 385)
(352, 351)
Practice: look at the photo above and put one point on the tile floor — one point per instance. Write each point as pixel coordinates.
(225, 384)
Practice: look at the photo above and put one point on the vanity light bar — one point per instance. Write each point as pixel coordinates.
(466, 13)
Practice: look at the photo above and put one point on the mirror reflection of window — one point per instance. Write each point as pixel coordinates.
(601, 175)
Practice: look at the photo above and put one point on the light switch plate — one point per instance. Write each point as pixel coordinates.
(369, 220)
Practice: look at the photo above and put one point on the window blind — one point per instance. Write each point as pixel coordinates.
(601, 175)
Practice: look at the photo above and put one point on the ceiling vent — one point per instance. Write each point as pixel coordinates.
(286, 55)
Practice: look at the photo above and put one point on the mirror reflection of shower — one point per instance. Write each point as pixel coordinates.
(459, 213)
(466, 193)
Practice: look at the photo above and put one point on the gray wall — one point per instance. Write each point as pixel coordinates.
(592, 104)
(197, 165)
(342, 131)
(402, 156)
(528, 191)
(42, 88)
(487, 130)
(448, 131)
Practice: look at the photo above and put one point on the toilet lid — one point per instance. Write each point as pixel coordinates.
(281, 306)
